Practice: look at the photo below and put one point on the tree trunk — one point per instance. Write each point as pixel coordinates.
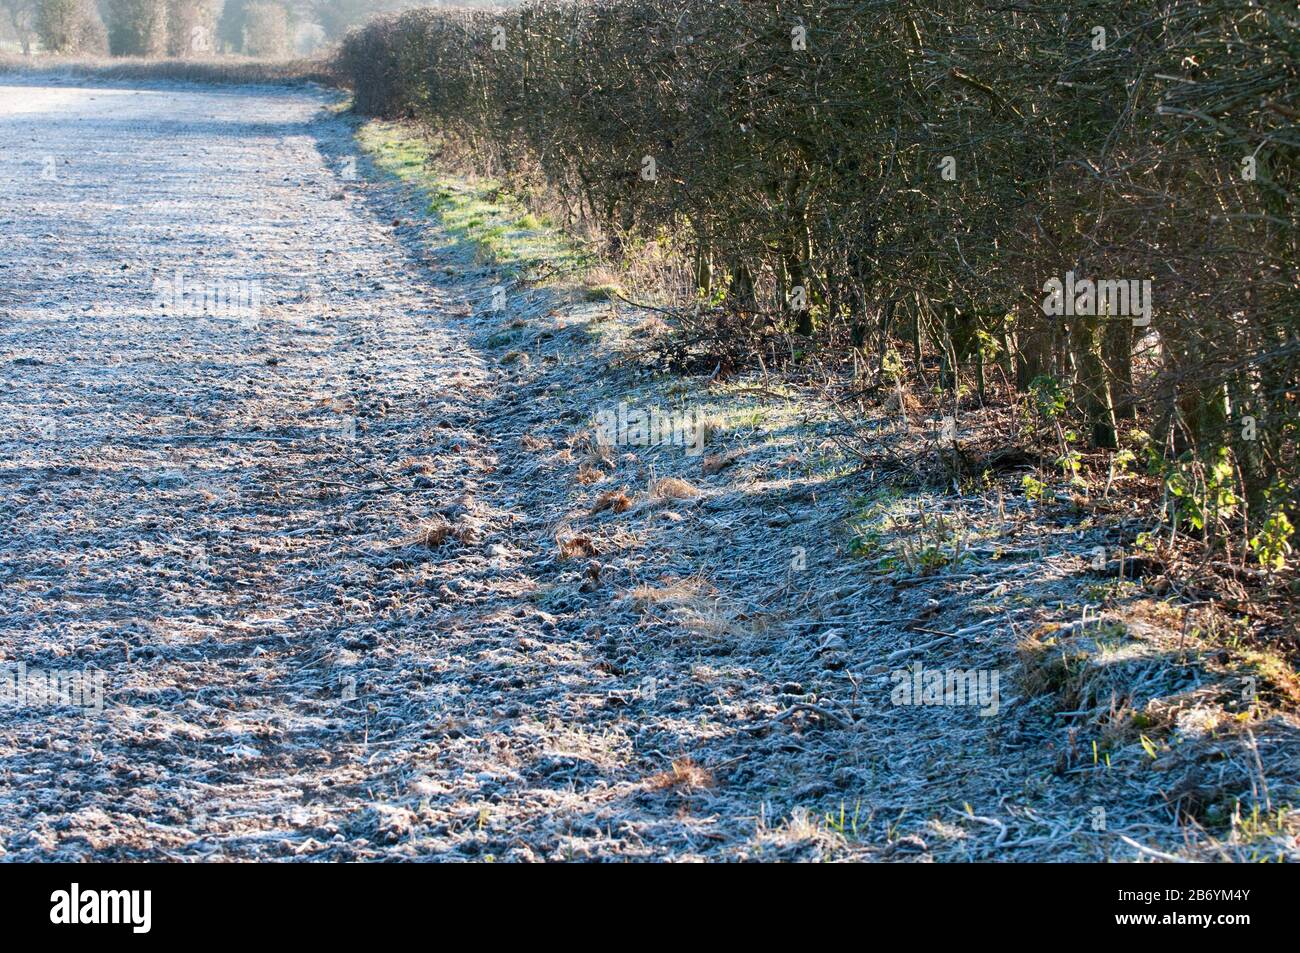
(742, 286)
(1032, 353)
(1117, 355)
(1092, 386)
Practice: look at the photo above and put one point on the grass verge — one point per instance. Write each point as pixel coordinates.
(478, 211)
(803, 533)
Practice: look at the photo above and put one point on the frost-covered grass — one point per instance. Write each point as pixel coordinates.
(227, 69)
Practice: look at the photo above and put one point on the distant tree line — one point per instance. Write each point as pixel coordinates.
(262, 28)
(70, 26)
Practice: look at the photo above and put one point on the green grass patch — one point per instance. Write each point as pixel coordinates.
(473, 210)
(605, 292)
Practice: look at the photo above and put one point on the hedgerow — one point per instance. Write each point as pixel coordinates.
(899, 177)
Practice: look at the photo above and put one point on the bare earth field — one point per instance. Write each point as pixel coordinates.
(348, 570)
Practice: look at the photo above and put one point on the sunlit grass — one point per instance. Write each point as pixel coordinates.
(475, 210)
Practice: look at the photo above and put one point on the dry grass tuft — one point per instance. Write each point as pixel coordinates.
(694, 604)
(465, 530)
(672, 488)
(577, 547)
(616, 500)
(684, 775)
(717, 462)
(434, 534)
(674, 592)
(590, 452)
(418, 466)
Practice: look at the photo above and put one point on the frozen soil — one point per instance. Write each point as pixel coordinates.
(364, 586)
